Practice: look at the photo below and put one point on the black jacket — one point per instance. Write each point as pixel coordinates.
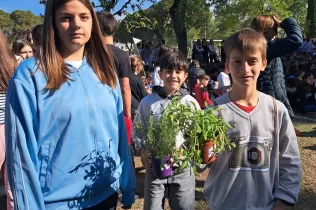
(138, 92)
(306, 94)
(271, 81)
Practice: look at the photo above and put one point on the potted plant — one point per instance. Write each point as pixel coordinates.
(158, 138)
(200, 129)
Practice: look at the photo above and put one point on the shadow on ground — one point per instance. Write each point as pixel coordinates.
(311, 148)
(310, 133)
(306, 200)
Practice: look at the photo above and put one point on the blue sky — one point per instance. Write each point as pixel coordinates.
(36, 8)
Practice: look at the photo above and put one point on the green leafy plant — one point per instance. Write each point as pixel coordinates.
(196, 126)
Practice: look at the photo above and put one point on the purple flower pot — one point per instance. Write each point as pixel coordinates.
(159, 170)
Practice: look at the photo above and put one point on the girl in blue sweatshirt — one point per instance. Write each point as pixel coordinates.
(65, 133)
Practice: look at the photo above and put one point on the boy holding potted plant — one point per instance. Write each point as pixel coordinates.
(180, 186)
(263, 171)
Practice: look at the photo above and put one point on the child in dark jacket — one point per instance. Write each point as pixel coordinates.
(306, 93)
(271, 81)
(201, 92)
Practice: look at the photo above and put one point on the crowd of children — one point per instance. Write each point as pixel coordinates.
(71, 101)
(300, 69)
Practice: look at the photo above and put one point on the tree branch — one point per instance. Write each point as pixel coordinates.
(119, 12)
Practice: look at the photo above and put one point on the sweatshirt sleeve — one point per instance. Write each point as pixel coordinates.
(127, 178)
(206, 97)
(22, 146)
(289, 163)
(289, 44)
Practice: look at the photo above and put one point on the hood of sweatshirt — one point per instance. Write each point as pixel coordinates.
(160, 91)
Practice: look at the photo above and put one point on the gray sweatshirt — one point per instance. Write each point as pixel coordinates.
(264, 165)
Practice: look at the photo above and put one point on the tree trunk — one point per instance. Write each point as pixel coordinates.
(178, 15)
(311, 18)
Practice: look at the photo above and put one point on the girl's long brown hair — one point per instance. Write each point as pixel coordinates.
(136, 62)
(49, 56)
(8, 64)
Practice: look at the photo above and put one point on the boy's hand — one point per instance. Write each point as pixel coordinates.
(279, 205)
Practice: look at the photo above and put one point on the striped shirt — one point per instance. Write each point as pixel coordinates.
(2, 107)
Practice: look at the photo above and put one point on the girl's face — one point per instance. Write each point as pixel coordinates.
(205, 82)
(139, 68)
(74, 25)
(26, 52)
(310, 80)
(149, 78)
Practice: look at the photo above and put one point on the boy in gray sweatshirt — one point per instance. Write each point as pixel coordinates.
(180, 186)
(263, 171)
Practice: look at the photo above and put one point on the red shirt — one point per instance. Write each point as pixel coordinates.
(201, 95)
(247, 109)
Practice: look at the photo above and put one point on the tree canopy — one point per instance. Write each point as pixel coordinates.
(15, 25)
(215, 19)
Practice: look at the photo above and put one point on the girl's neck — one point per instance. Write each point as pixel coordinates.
(245, 97)
(73, 55)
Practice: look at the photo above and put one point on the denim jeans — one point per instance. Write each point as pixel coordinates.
(180, 189)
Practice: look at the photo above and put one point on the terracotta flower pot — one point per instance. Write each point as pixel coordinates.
(207, 152)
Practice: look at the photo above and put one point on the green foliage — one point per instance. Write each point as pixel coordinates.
(23, 21)
(196, 126)
(16, 24)
(236, 14)
(6, 24)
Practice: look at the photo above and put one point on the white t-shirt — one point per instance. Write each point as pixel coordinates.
(156, 81)
(223, 80)
(76, 64)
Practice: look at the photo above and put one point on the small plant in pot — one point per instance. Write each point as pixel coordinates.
(158, 138)
(199, 131)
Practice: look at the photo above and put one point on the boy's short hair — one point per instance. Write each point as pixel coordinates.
(107, 23)
(174, 60)
(203, 76)
(246, 40)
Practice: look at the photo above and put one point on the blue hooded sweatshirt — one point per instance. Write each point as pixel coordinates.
(66, 148)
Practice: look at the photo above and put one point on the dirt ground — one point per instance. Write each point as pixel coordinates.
(307, 196)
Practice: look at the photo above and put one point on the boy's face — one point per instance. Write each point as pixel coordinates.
(245, 67)
(172, 79)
